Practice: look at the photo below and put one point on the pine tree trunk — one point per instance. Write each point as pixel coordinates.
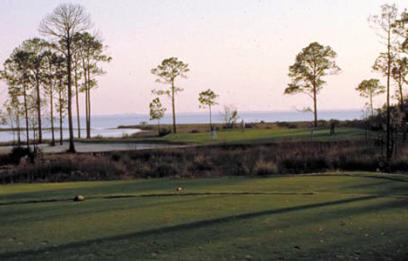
(52, 116)
(26, 116)
(86, 83)
(388, 140)
(52, 108)
(401, 94)
(61, 127)
(88, 131)
(89, 102)
(37, 86)
(315, 105)
(60, 116)
(211, 127)
(77, 100)
(173, 106)
(69, 71)
(403, 123)
(89, 112)
(18, 127)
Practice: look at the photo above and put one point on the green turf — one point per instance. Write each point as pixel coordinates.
(264, 135)
(360, 216)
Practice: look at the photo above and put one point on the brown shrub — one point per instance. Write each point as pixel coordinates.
(231, 160)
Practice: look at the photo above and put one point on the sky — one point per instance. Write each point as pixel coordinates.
(241, 49)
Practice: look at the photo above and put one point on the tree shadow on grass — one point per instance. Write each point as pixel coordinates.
(25, 214)
(115, 187)
(381, 187)
(181, 227)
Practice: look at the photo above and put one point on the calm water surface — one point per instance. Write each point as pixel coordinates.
(107, 125)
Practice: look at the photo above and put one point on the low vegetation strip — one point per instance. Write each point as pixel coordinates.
(278, 158)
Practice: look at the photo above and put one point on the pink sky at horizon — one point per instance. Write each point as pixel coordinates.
(239, 48)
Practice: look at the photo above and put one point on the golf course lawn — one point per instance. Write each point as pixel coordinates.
(237, 136)
(354, 216)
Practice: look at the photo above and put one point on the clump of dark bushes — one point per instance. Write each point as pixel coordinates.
(57, 168)
(16, 155)
(163, 132)
(276, 158)
(265, 168)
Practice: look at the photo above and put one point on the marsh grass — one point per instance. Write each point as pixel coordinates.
(210, 161)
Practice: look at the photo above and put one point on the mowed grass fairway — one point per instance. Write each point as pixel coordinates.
(254, 136)
(360, 216)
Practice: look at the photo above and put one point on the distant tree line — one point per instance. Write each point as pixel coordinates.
(43, 76)
(392, 29)
(317, 61)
